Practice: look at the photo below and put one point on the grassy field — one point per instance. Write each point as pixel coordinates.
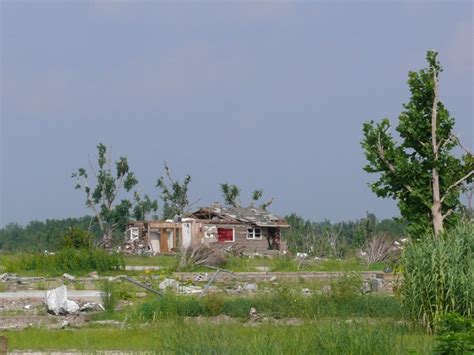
(339, 322)
(180, 337)
(279, 263)
(279, 304)
(80, 263)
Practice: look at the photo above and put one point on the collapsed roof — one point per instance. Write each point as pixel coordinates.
(251, 215)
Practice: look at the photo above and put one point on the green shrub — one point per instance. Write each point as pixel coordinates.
(347, 285)
(438, 276)
(77, 238)
(66, 260)
(213, 304)
(455, 335)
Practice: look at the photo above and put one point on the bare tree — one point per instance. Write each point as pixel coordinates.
(332, 234)
(376, 248)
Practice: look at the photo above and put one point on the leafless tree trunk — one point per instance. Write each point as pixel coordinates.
(333, 236)
(436, 207)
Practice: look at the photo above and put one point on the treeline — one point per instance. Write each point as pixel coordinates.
(319, 238)
(341, 239)
(38, 236)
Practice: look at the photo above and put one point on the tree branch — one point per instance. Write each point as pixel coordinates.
(389, 165)
(461, 180)
(460, 144)
(91, 202)
(450, 211)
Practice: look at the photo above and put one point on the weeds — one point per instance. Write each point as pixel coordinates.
(438, 276)
(65, 260)
(80, 286)
(322, 337)
(282, 303)
(347, 285)
(108, 295)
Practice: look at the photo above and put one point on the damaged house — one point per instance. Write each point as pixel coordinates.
(254, 230)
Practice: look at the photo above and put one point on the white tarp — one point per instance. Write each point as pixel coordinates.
(57, 302)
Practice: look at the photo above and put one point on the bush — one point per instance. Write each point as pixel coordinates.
(348, 285)
(66, 260)
(437, 276)
(455, 335)
(77, 238)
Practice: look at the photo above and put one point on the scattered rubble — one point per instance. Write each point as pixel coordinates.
(69, 277)
(19, 279)
(168, 283)
(94, 275)
(376, 284)
(201, 277)
(175, 285)
(365, 287)
(189, 289)
(91, 307)
(250, 287)
(373, 284)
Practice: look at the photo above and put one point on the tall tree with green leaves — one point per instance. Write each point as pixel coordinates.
(420, 171)
(174, 194)
(102, 196)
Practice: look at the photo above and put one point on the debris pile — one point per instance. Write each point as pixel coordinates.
(57, 303)
(19, 279)
(373, 284)
(201, 254)
(175, 285)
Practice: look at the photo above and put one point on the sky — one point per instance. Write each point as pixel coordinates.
(267, 95)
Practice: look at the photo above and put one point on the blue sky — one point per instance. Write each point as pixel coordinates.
(265, 95)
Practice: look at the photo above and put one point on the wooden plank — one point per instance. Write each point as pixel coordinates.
(174, 237)
(164, 241)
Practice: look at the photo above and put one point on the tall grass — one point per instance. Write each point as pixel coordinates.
(170, 337)
(281, 304)
(66, 260)
(108, 294)
(285, 263)
(438, 276)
